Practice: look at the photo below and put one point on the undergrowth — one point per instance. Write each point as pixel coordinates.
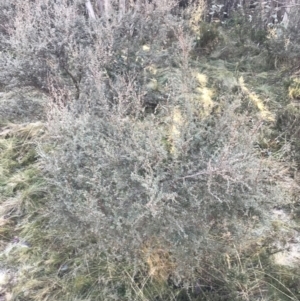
(154, 176)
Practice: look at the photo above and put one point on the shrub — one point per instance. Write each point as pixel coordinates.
(189, 186)
(146, 168)
(283, 41)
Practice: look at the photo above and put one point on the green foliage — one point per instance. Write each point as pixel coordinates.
(17, 156)
(208, 38)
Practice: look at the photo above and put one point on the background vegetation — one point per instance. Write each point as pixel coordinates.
(149, 151)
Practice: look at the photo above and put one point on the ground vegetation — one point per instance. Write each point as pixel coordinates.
(149, 151)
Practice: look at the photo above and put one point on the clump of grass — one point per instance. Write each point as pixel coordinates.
(21, 191)
(294, 89)
(19, 178)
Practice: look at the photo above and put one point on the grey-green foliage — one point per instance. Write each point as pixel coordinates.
(115, 177)
(126, 176)
(56, 48)
(284, 41)
(38, 39)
